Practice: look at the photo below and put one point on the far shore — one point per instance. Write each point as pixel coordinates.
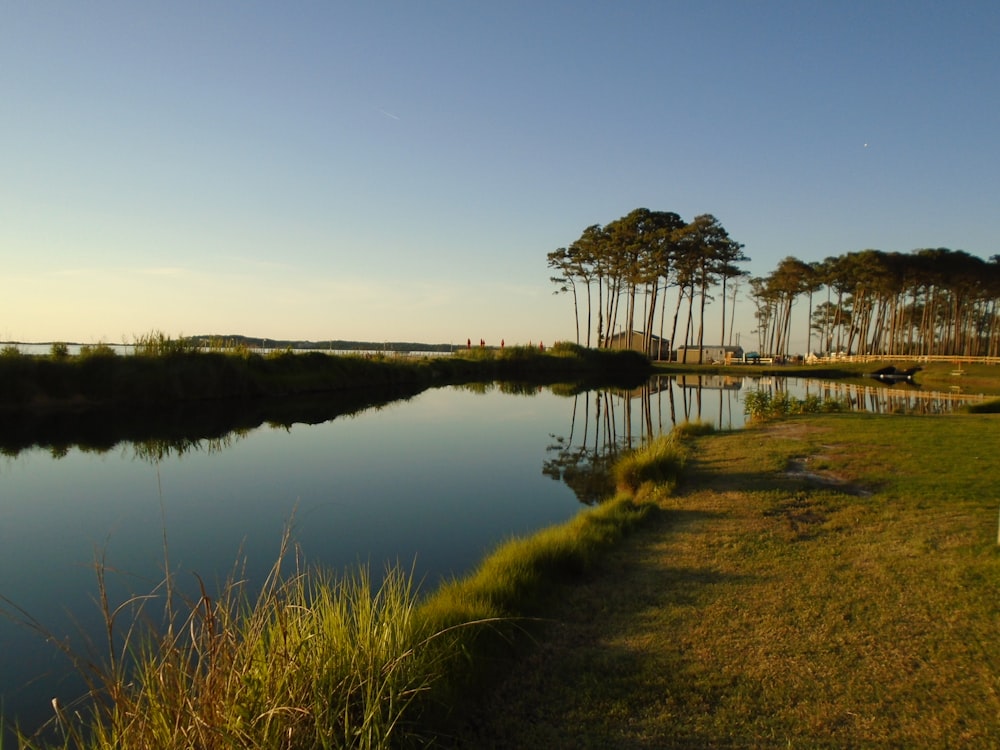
(168, 371)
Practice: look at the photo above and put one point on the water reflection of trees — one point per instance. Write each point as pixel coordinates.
(508, 387)
(606, 422)
(873, 396)
(155, 432)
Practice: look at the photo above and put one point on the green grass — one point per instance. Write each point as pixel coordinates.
(517, 578)
(494, 617)
(823, 581)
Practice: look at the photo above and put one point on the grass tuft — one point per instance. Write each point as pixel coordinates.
(659, 463)
(686, 430)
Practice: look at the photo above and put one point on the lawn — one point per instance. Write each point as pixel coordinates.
(824, 581)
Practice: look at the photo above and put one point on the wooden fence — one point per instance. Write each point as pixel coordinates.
(958, 361)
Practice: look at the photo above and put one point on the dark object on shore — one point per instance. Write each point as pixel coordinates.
(891, 375)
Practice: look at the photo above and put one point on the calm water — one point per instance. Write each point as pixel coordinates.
(433, 482)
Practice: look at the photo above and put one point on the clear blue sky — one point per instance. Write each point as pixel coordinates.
(399, 170)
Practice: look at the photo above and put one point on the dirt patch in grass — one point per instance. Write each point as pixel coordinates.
(799, 468)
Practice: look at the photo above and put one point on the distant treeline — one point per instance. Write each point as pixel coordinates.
(238, 341)
(337, 345)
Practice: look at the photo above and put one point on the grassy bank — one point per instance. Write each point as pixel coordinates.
(822, 581)
(317, 661)
(172, 372)
(942, 376)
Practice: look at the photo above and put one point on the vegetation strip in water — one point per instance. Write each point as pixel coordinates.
(169, 374)
(320, 661)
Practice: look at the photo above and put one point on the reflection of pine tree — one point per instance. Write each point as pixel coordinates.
(585, 466)
(622, 420)
(583, 470)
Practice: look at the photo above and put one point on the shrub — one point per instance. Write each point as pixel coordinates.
(59, 350)
(568, 348)
(760, 405)
(986, 407)
(97, 350)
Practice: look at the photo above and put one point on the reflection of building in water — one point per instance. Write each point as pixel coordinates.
(710, 382)
(655, 384)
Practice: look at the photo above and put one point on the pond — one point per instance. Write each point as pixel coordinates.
(433, 482)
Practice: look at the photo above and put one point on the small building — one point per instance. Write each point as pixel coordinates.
(658, 348)
(709, 354)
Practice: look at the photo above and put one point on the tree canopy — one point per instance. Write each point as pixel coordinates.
(932, 301)
(634, 260)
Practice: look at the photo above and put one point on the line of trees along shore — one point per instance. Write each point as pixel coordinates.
(929, 302)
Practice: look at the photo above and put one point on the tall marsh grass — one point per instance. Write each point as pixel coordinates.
(59, 351)
(160, 344)
(312, 661)
(97, 350)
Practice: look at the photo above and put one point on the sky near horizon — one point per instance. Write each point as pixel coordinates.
(399, 170)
